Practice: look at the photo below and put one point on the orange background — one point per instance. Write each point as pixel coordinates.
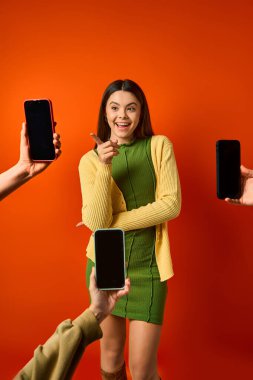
(193, 60)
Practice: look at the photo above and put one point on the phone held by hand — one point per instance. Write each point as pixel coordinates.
(110, 258)
(228, 162)
(40, 129)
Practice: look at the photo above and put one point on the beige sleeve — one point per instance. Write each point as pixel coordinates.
(58, 357)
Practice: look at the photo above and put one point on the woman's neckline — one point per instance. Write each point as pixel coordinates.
(129, 143)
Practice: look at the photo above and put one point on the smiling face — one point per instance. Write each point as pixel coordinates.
(123, 112)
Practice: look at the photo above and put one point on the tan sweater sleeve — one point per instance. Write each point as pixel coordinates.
(95, 179)
(59, 356)
(168, 195)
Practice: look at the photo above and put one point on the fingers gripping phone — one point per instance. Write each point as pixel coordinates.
(40, 129)
(110, 258)
(228, 162)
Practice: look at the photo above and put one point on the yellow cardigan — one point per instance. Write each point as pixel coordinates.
(104, 205)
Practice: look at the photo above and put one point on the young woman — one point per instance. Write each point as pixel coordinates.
(130, 181)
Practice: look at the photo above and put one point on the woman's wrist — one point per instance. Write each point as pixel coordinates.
(23, 171)
(99, 315)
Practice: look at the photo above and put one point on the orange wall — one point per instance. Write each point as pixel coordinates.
(194, 61)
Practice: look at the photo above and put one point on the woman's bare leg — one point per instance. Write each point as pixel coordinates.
(112, 344)
(143, 346)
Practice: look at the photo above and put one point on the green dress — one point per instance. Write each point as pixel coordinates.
(133, 172)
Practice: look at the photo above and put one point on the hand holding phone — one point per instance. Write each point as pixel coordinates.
(228, 163)
(40, 129)
(110, 258)
(246, 198)
(102, 303)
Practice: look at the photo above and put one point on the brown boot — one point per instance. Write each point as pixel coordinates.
(119, 375)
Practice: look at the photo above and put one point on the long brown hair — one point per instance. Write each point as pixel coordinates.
(144, 128)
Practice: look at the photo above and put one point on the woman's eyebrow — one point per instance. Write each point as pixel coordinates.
(131, 104)
(112, 102)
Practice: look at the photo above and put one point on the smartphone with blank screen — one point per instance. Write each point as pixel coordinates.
(110, 258)
(228, 162)
(40, 129)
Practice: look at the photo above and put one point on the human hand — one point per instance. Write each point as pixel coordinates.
(33, 168)
(247, 189)
(106, 150)
(103, 301)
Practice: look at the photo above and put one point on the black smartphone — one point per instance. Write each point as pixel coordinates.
(228, 162)
(40, 129)
(110, 258)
